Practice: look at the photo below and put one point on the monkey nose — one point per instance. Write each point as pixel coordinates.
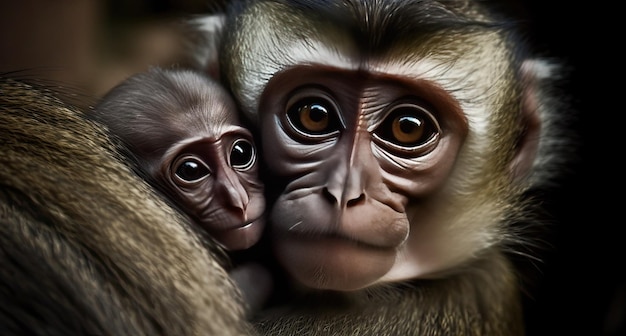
(344, 198)
(232, 194)
(345, 186)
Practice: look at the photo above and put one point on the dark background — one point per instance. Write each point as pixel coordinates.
(90, 45)
(583, 291)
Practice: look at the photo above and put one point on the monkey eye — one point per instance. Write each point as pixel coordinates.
(242, 155)
(189, 169)
(312, 114)
(409, 129)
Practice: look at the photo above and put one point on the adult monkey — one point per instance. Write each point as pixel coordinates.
(404, 136)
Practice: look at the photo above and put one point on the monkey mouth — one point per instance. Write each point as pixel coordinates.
(240, 237)
(335, 237)
(371, 225)
(331, 261)
(360, 238)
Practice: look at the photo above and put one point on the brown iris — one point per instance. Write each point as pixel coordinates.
(407, 129)
(314, 117)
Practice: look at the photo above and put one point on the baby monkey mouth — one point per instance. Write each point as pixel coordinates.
(240, 237)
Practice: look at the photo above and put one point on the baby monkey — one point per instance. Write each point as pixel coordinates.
(185, 136)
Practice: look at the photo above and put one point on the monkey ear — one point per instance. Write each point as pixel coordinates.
(206, 54)
(532, 71)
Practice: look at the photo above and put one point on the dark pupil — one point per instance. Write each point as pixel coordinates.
(191, 171)
(317, 112)
(409, 124)
(313, 118)
(241, 153)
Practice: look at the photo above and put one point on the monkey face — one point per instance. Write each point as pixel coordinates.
(393, 137)
(355, 151)
(183, 129)
(216, 180)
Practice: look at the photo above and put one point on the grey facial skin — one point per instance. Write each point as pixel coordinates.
(183, 131)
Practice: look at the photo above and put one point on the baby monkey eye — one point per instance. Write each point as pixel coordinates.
(242, 155)
(410, 129)
(189, 169)
(311, 114)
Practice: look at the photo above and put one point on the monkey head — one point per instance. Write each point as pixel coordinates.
(399, 141)
(185, 134)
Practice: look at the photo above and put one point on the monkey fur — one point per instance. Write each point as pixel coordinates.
(67, 252)
(88, 248)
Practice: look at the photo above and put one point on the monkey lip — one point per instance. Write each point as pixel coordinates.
(241, 237)
(332, 261)
(333, 238)
(364, 240)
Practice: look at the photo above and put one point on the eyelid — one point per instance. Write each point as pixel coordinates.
(312, 92)
(413, 151)
(176, 164)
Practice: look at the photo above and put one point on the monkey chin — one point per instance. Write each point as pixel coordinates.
(240, 238)
(332, 262)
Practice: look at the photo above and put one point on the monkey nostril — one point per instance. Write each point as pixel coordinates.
(239, 212)
(356, 201)
(332, 199)
(329, 196)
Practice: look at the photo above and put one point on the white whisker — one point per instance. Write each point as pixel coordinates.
(293, 226)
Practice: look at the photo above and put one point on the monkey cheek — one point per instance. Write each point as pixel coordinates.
(241, 238)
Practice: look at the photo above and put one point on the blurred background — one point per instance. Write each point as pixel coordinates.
(91, 45)
(84, 47)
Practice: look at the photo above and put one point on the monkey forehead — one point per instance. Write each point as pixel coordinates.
(207, 112)
(220, 132)
(208, 117)
(468, 66)
(217, 143)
